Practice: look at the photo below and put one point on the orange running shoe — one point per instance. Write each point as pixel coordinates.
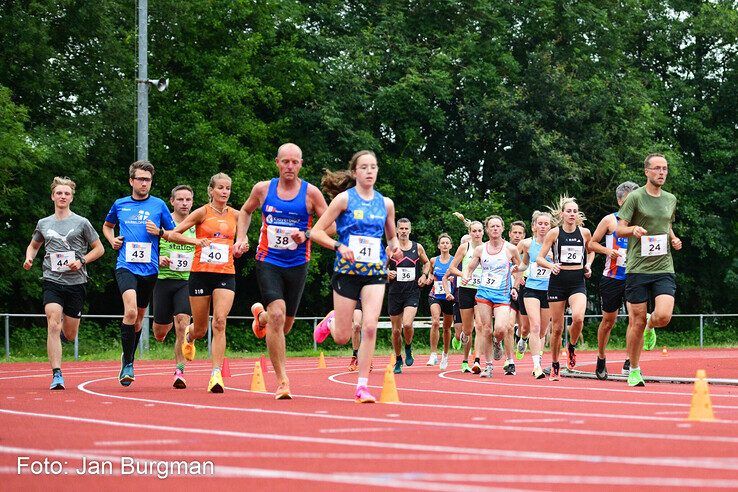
(354, 364)
(259, 330)
(283, 391)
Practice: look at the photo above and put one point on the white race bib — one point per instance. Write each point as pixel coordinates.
(539, 272)
(571, 254)
(180, 262)
(438, 288)
(493, 280)
(60, 261)
(214, 253)
(405, 274)
(476, 279)
(622, 255)
(654, 245)
(366, 249)
(280, 237)
(138, 252)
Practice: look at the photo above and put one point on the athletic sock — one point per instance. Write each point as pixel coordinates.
(215, 369)
(135, 344)
(398, 357)
(408, 348)
(525, 339)
(181, 366)
(128, 341)
(476, 359)
(635, 368)
(362, 382)
(536, 361)
(55, 370)
(356, 353)
(509, 361)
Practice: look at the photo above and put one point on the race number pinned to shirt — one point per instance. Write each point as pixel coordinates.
(438, 288)
(493, 279)
(180, 262)
(654, 245)
(539, 272)
(215, 253)
(476, 279)
(281, 237)
(405, 274)
(366, 249)
(622, 256)
(60, 261)
(138, 252)
(572, 254)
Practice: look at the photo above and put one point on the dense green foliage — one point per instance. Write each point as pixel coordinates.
(473, 105)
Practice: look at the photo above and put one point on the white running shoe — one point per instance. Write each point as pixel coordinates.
(444, 362)
(487, 373)
(432, 360)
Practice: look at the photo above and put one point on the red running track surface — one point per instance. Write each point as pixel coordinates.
(452, 430)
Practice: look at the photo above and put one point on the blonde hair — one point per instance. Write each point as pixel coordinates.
(535, 216)
(65, 181)
(558, 209)
(335, 182)
(216, 177)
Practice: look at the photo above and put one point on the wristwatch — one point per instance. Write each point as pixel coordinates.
(82, 260)
(337, 245)
(307, 234)
(161, 232)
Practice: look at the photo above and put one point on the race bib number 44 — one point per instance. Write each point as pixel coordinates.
(281, 237)
(180, 262)
(654, 245)
(138, 252)
(405, 274)
(214, 253)
(366, 249)
(60, 261)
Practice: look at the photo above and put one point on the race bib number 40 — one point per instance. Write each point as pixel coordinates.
(180, 262)
(60, 261)
(138, 252)
(366, 249)
(281, 237)
(654, 245)
(214, 253)
(405, 274)
(572, 254)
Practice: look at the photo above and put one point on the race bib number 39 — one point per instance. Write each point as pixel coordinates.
(214, 253)
(60, 261)
(138, 252)
(180, 262)
(281, 237)
(366, 249)
(405, 274)
(571, 254)
(654, 245)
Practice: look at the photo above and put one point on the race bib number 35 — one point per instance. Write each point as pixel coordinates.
(180, 262)
(138, 252)
(405, 274)
(654, 245)
(214, 253)
(60, 261)
(281, 237)
(366, 249)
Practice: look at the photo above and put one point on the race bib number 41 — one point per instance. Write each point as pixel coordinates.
(366, 249)
(214, 253)
(60, 261)
(654, 245)
(281, 237)
(138, 252)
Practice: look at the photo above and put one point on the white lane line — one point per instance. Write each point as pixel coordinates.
(689, 462)
(535, 421)
(139, 442)
(355, 429)
(545, 430)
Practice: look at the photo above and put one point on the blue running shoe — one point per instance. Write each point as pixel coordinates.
(398, 366)
(409, 361)
(57, 382)
(126, 377)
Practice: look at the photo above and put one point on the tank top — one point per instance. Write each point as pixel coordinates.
(439, 270)
(407, 271)
(496, 270)
(279, 220)
(361, 227)
(221, 230)
(538, 276)
(180, 256)
(476, 275)
(616, 268)
(569, 247)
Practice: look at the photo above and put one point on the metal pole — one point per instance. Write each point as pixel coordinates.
(142, 120)
(315, 344)
(7, 338)
(76, 346)
(702, 329)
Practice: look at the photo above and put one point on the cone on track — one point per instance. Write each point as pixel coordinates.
(263, 364)
(257, 380)
(389, 388)
(664, 353)
(225, 369)
(701, 408)
(321, 361)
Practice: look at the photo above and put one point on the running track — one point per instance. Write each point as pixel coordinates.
(452, 430)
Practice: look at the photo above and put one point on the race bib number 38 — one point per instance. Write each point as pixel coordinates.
(654, 245)
(281, 237)
(60, 261)
(138, 252)
(214, 253)
(366, 249)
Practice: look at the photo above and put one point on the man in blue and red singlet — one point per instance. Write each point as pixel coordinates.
(288, 204)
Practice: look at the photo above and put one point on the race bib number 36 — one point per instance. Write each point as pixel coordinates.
(366, 249)
(214, 253)
(180, 262)
(405, 274)
(281, 237)
(60, 261)
(138, 252)
(654, 245)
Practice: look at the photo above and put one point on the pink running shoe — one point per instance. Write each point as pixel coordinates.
(363, 395)
(322, 329)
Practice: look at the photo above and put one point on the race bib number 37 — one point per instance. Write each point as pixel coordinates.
(138, 252)
(366, 249)
(654, 245)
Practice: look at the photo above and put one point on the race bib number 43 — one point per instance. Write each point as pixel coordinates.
(654, 245)
(281, 237)
(138, 252)
(214, 253)
(366, 249)
(60, 261)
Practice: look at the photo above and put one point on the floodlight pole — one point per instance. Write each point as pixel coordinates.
(142, 120)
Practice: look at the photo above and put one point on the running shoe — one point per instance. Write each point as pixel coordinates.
(464, 338)
(554, 376)
(601, 371)
(444, 362)
(432, 360)
(363, 396)
(487, 373)
(409, 360)
(538, 373)
(259, 330)
(509, 369)
(126, 377)
(57, 382)
(179, 380)
(216, 383)
(354, 364)
(455, 343)
(520, 348)
(649, 336)
(497, 353)
(398, 366)
(283, 391)
(572, 357)
(323, 329)
(476, 368)
(465, 367)
(635, 378)
(626, 368)
(188, 349)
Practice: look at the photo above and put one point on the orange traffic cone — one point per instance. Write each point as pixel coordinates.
(225, 369)
(701, 408)
(389, 388)
(664, 353)
(257, 380)
(321, 361)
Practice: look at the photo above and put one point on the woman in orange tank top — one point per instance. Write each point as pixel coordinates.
(213, 276)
